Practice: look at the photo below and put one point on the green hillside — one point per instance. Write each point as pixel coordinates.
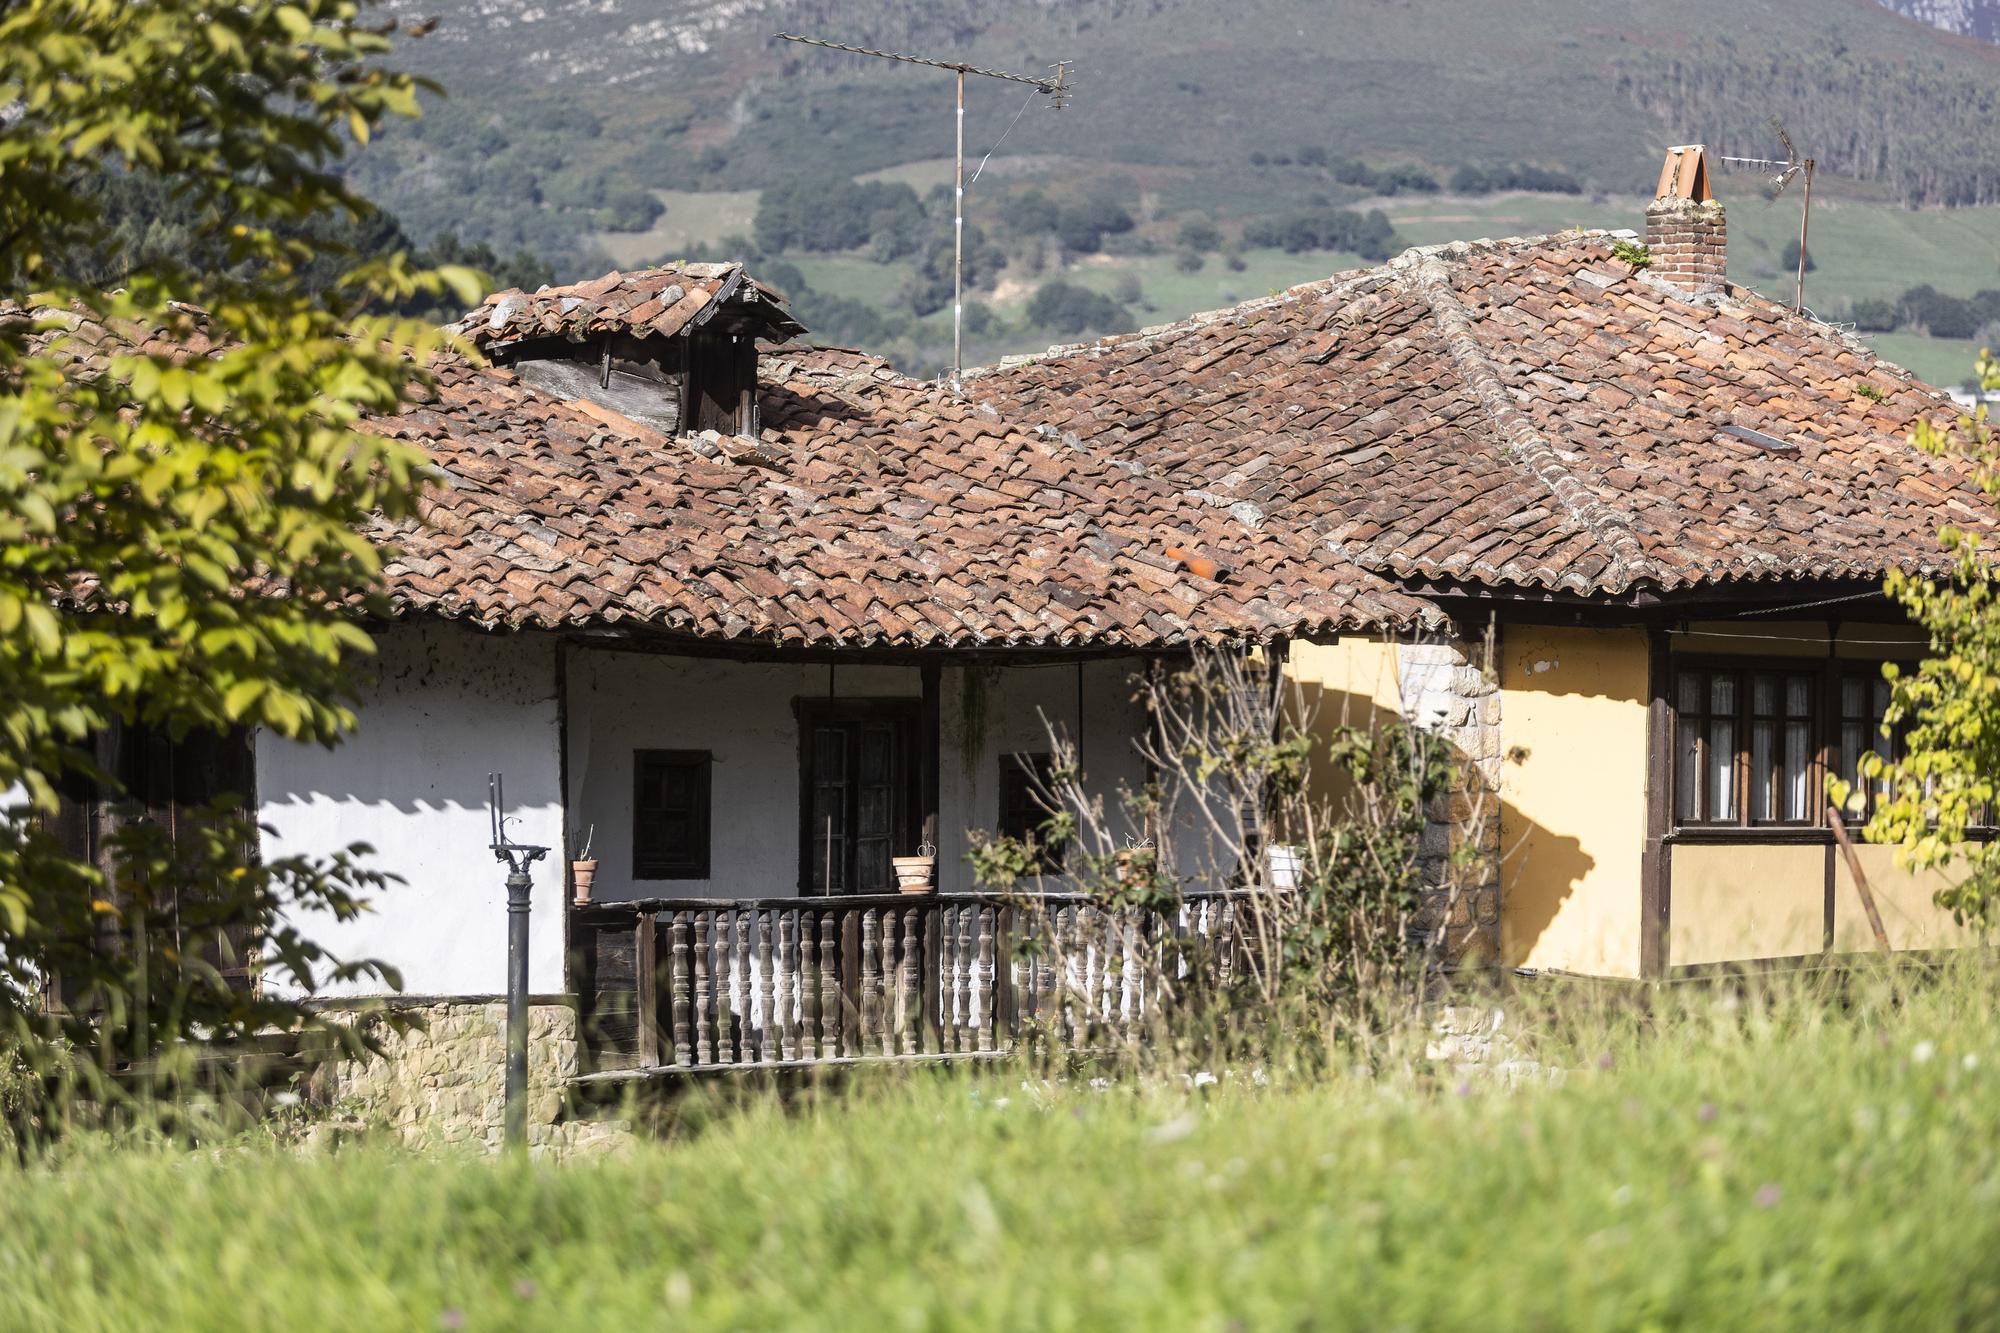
(555, 107)
(600, 133)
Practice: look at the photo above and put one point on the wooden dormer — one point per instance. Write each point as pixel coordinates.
(674, 347)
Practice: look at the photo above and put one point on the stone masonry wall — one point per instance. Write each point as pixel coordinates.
(1688, 244)
(444, 1083)
(1449, 695)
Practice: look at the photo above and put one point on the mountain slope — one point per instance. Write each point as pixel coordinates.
(557, 107)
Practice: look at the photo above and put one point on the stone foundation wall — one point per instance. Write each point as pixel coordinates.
(444, 1082)
(1449, 694)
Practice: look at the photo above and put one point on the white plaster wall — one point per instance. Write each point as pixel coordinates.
(742, 713)
(448, 705)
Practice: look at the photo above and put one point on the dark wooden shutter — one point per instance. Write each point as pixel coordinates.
(670, 814)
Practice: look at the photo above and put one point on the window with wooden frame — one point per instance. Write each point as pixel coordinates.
(1026, 790)
(1861, 701)
(1746, 748)
(670, 813)
(177, 786)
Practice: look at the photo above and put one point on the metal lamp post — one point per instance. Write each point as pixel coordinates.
(518, 857)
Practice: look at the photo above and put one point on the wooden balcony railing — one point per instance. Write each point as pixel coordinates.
(699, 985)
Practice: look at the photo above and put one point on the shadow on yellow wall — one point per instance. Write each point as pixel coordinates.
(1530, 901)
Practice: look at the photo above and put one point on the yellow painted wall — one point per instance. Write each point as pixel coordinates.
(1745, 901)
(1573, 808)
(1910, 918)
(1348, 683)
(1351, 680)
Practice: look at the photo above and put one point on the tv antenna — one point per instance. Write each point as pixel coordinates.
(1055, 87)
(1793, 166)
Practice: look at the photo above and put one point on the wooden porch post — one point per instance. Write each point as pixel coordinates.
(929, 742)
(1655, 883)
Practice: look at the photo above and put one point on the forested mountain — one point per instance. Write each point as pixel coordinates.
(564, 114)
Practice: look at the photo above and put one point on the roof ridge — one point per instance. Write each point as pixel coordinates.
(1425, 273)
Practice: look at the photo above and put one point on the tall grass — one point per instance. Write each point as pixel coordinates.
(1779, 1157)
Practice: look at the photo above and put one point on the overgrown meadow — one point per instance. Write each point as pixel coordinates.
(1789, 1154)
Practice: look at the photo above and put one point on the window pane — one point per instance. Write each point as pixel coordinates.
(1853, 694)
(1764, 695)
(1762, 736)
(1722, 693)
(1690, 692)
(1798, 696)
(1853, 740)
(1687, 771)
(1881, 708)
(1722, 769)
(1798, 769)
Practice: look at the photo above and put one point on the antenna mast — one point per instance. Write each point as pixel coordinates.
(1793, 165)
(1055, 87)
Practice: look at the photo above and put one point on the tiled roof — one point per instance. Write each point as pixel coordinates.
(876, 510)
(654, 302)
(1529, 413)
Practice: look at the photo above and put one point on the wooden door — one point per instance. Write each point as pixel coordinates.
(858, 793)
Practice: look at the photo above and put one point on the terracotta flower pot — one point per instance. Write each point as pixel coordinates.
(915, 874)
(582, 873)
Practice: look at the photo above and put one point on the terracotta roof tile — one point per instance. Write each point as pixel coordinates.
(1525, 413)
(892, 514)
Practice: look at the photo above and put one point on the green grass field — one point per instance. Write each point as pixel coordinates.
(1799, 1162)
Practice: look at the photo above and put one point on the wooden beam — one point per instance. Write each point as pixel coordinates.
(1655, 862)
(930, 742)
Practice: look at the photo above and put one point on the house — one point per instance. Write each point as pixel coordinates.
(1666, 501)
(751, 619)
(748, 664)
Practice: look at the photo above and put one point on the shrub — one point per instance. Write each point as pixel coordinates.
(1198, 234)
(1368, 235)
(1873, 316)
(1064, 307)
(630, 210)
(831, 213)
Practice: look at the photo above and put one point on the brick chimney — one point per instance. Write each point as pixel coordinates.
(1685, 233)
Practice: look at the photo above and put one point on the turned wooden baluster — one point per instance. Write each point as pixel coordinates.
(829, 987)
(911, 1003)
(786, 923)
(682, 992)
(871, 962)
(892, 979)
(765, 1031)
(730, 1044)
(812, 982)
(704, 993)
(959, 941)
(985, 978)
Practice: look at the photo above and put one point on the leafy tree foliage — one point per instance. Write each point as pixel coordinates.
(1067, 308)
(1469, 179)
(831, 213)
(1873, 316)
(185, 462)
(630, 209)
(1788, 258)
(1369, 234)
(1947, 778)
(1199, 235)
